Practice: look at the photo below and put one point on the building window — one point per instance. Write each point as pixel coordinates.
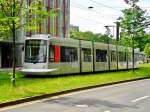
(68, 54)
(136, 57)
(129, 56)
(86, 55)
(101, 55)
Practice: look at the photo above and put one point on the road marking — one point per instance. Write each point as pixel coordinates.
(107, 111)
(56, 97)
(83, 105)
(138, 99)
(64, 95)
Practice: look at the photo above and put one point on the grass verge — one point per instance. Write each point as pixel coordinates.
(27, 87)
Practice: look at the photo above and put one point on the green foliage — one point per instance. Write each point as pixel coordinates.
(133, 24)
(16, 14)
(27, 87)
(147, 49)
(143, 40)
(131, 2)
(90, 36)
(24, 15)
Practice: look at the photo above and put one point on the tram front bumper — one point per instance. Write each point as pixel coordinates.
(36, 71)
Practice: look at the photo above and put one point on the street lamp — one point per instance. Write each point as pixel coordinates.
(108, 32)
(117, 39)
(90, 7)
(133, 22)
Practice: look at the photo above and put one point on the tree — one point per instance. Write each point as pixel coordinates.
(147, 49)
(82, 35)
(131, 2)
(133, 25)
(11, 14)
(133, 22)
(90, 36)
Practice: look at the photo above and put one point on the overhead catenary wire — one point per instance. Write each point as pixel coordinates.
(114, 8)
(86, 8)
(82, 7)
(98, 5)
(90, 20)
(79, 6)
(107, 6)
(95, 24)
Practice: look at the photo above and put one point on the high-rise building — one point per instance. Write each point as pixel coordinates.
(57, 26)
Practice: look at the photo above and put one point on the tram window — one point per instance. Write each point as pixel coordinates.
(101, 55)
(136, 57)
(22, 48)
(51, 53)
(86, 55)
(68, 54)
(122, 56)
(129, 56)
(113, 56)
(35, 51)
(141, 57)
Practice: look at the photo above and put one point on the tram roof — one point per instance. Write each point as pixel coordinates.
(69, 40)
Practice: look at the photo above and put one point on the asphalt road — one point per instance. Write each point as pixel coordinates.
(128, 97)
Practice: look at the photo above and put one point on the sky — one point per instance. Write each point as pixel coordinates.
(103, 13)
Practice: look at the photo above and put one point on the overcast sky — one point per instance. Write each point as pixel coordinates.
(104, 12)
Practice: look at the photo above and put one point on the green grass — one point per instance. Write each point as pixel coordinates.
(27, 87)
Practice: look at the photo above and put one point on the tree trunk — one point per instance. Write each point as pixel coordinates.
(14, 52)
(14, 46)
(133, 53)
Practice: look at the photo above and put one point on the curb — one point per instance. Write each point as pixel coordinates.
(34, 98)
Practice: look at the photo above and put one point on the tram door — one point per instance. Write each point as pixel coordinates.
(6, 56)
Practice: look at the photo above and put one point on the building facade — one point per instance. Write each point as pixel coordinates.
(57, 26)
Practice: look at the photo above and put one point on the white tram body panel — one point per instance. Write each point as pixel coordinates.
(86, 56)
(31, 66)
(136, 57)
(130, 60)
(122, 57)
(113, 57)
(65, 65)
(101, 56)
(74, 56)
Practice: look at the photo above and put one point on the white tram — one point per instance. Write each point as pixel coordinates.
(46, 55)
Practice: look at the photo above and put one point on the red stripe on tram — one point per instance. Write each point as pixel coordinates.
(57, 47)
(57, 53)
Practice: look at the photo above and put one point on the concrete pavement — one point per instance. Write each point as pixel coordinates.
(128, 97)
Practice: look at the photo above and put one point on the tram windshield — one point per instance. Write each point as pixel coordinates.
(35, 51)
